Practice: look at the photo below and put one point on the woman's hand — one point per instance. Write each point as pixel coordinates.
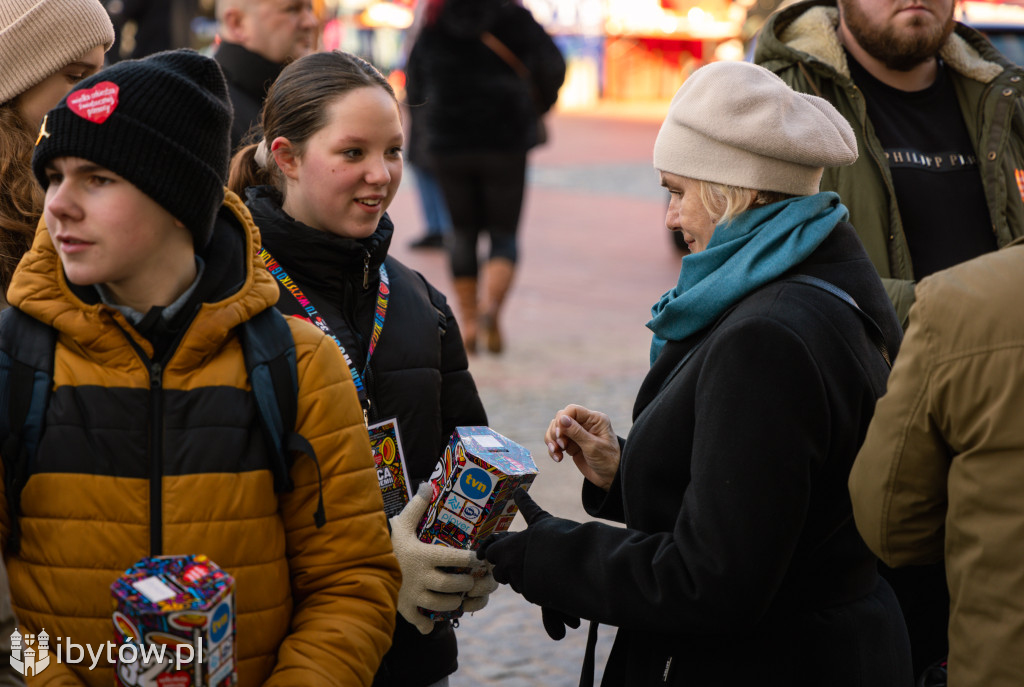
(587, 437)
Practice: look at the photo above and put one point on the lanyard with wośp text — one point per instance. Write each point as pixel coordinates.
(311, 314)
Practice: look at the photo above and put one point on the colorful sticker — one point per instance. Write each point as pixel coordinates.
(392, 474)
(475, 484)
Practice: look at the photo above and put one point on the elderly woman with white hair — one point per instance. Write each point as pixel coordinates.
(740, 563)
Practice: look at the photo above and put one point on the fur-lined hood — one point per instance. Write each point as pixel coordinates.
(810, 28)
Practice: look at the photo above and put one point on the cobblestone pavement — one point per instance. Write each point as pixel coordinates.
(594, 256)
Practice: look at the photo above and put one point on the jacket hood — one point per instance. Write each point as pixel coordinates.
(469, 18)
(317, 254)
(236, 284)
(807, 32)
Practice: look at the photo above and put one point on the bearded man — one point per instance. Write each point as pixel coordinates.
(937, 113)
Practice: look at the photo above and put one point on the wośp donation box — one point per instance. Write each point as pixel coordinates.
(178, 612)
(472, 488)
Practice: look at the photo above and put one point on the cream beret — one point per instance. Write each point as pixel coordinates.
(38, 38)
(739, 124)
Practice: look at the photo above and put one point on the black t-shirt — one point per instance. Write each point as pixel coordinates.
(934, 170)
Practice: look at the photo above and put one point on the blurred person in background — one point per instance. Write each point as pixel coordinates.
(319, 186)
(154, 25)
(433, 206)
(46, 47)
(483, 72)
(257, 39)
(432, 203)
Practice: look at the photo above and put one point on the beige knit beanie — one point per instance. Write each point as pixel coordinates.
(739, 124)
(38, 38)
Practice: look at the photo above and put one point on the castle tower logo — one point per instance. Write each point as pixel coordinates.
(34, 657)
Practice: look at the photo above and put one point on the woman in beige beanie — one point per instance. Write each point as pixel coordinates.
(739, 563)
(46, 47)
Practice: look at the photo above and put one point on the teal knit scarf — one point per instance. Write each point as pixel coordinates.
(753, 249)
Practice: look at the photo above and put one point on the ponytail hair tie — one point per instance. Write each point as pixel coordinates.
(261, 154)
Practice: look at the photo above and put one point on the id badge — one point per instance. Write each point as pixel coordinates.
(389, 459)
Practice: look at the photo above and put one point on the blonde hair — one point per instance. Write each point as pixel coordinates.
(724, 203)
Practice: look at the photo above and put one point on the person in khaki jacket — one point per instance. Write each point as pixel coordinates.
(941, 471)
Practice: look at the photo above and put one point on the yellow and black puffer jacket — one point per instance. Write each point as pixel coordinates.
(136, 460)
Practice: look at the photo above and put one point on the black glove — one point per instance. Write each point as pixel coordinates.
(506, 551)
(555, 622)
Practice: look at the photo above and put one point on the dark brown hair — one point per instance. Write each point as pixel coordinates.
(21, 199)
(296, 108)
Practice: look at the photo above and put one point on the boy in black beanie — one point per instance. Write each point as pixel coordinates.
(159, 124)
(152, 443)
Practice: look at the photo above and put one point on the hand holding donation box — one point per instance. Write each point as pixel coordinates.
(472, 489)
(178, 612)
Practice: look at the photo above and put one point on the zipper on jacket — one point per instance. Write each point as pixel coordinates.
(366, 270)
(156, 428)
(156, 424)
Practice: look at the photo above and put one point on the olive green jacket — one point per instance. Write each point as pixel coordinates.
(801, 45)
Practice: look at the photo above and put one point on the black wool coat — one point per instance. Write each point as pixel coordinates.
(740, 563)
(463, 96)
(419, 372)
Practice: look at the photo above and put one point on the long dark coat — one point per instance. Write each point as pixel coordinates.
(741, 564)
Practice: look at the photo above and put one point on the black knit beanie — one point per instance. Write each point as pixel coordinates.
(162, 122)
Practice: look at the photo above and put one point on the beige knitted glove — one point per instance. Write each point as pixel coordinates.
(483, 584)
(424, 585)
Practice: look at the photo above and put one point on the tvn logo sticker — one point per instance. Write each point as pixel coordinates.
(475, 484)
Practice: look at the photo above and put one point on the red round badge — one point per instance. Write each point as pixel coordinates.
(95, 104)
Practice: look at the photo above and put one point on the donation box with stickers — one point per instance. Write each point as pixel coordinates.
(178, 614)
(472, 489)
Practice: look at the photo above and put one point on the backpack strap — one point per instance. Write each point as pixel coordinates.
(26, 379)
(269, 350)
